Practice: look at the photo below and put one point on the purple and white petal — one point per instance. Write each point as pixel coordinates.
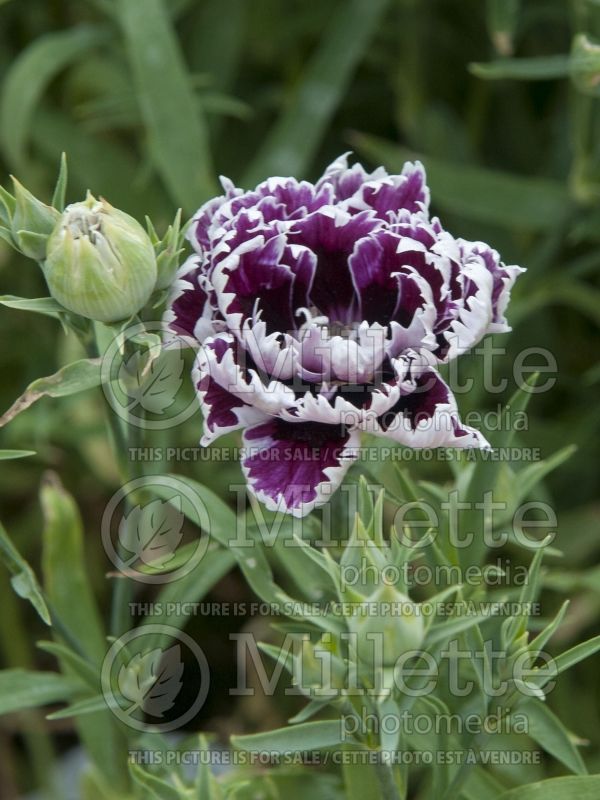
(190, 316)
(223, 412)
(428, 417)
(323, 310)
(352, 358)
(206, 219)
(332, 234)
(345, 180)
(296, 467)
(407, 192)
(229, 366)
(503, 279)
(475, 313)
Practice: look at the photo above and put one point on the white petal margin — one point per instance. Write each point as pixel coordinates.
(440, 425)
(177, 332)
(476, 315)
(245, 384)
(222, 411)
(287, 495)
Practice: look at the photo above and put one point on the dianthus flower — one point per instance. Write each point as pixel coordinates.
(323, 310)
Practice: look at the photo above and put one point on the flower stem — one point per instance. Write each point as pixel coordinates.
(387, 783)
(124, 437)
(123, 587)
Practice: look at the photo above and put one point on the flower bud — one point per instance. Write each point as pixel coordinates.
(32, 222)
(317, 670)
(387, 624)
(100, 262)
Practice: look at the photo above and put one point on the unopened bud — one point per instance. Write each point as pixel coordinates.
(387, 624)
(100, 262)
(318, 671)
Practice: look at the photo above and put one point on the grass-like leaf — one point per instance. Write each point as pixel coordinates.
(176, 130)
(297, 134)
(75, 377)
(28, 78)
(478, 193)
(20, 689)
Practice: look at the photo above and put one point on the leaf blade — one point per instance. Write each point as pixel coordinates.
(28, 78)
(295, 137)
(177, 133)
(75, 377)
(478, 193)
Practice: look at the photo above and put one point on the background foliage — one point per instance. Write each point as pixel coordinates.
(153, 99)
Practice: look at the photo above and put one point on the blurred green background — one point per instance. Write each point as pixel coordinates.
(153, 100)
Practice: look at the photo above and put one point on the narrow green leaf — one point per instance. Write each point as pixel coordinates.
(446, 630)
(569, 658)
(360, 782)
(308, 711)
(65, 576)
(28, 77)
(69, 591)
(69, 658)
(21, 689)
(176, 130)
(97, 161)
(223, 522)
(523, 69)
(8, 455)
(191, 588)
(40, 305)
(305, 737)
(23, 579)
(205, 785)
(292, 143)
(518, 625)
(570, 788)
(485, 474)
(90, 705)
(477, 193)
(537, 645)
(218, 47)
(153, 786)
(526, 479)
(548, 731)
(60, 190)
(75, 377)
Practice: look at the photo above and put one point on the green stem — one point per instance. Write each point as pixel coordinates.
(124, 438)
(123, 587)
(387, 782)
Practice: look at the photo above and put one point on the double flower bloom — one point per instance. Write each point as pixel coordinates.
(323, 310)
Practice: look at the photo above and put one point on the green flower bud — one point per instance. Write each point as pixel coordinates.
(100, 262)
(387, 624)
(32, 222)
(317, 669)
